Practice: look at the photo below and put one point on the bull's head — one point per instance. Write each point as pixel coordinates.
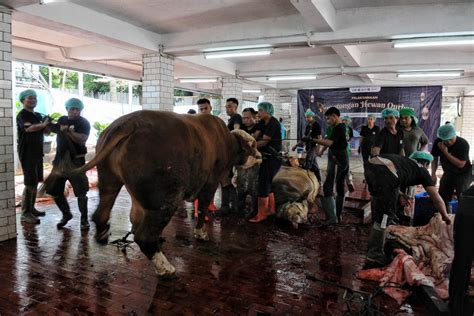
(249, 155)
(295, 212)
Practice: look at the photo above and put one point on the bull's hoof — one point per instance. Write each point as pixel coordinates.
(201, 234)
(102, 236)
(164, 269)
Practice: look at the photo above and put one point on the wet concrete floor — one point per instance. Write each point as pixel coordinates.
(245, 269)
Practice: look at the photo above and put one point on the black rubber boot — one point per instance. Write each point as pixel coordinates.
(26, 208)
(82, 202)
(376, 257)
(228, 201)
(33, 209)
(63, 206)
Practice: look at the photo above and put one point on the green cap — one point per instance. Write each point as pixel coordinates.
(421, 155)
(74, 103)
(27, 93)
(446, 132)
(266, 106)
(390, 112)
(309, 113)
(346, 118)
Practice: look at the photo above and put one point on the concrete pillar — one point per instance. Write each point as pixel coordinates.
(231, 88)
(7, 177)
(158, 82)
(293, 121)
(467, 129)
(273, 96)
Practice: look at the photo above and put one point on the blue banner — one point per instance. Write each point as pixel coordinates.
(426, 101)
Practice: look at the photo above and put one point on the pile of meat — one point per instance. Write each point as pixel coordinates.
(432, 248)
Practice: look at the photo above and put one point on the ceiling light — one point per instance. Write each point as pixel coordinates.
(412, 74)
(197, 80)
(238, 53)
(251, 91)
(430, 42)
(230, 48)
(294, 77)
(51, 1)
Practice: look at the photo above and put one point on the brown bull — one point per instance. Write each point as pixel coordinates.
(163, 158)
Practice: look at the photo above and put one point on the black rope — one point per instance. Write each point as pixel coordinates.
(123, 243)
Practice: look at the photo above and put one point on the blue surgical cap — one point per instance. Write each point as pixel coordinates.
(446, 132)
(421, 155)
(27, 93)
(266, 106)
(390, 112)
(74, 103)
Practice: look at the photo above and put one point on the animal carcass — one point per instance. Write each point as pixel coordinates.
(163, 158)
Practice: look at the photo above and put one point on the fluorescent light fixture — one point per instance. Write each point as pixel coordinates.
(238, 53)
(251, 91)
(292, 77)
(220, 49)
(197, 80)
(51, 1)
(413, 74)
(431, 42)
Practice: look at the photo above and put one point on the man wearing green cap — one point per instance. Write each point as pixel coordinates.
(312, 130)
(387, 177)
(414, 138)
(71, 141)
(453, 151)
(269, 144)
(31, 127)
(390, 138)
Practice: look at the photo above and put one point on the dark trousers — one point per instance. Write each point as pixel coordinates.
(337, 170)
(384, 188)
(32, 171)
(268, 169)
(463, 254)
(79, 182)
(451, 182)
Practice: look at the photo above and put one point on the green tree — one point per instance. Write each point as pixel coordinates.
(93, 87)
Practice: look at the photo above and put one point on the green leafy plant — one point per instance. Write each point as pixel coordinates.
(55, 116)
(100, 127)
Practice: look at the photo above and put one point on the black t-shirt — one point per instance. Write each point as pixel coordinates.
(81, 126)
(369, 135)
(234, 119)
(251, 130)
(272, 130)
(351, 132)
(389, 143)
(30, 145)
(409, 172)
(460, 150)
(339, 136)
(312, 130)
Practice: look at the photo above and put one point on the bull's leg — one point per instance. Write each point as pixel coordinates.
(109, 188)
(148, 226)
(204, 197)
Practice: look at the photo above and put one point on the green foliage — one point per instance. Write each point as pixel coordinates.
(93, 87)
(18, 107)
(182, 93)
(100, 127)
(55, 116)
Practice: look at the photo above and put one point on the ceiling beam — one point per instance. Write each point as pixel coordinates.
(320, 15)
(80, 21)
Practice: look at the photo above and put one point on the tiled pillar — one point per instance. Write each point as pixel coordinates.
(273, 96)
(231, 88)
(293, 121)
(158, 82)
(467, 129)
(7, 177)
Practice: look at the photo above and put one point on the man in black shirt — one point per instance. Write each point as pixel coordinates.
(235, 120)
(387, 176)
(31, 127)
(312, 130)
(71, 145)
(269, 144)
(338, 166)
(453, 151)
(204, 106)
(368, 134)
(390, 138)
(249, 121)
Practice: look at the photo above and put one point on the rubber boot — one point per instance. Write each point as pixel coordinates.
(271, 204)
(82, 203)
(63, 206)
(375, 250)
(329, 208)
(26, 208)
(339, 207)
(262, 210)
(34, 210)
